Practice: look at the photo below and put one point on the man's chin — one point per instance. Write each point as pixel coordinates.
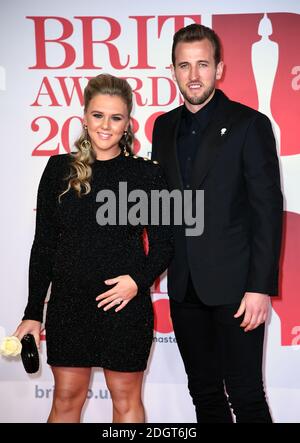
(196, 100)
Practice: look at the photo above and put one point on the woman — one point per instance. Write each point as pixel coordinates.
(100, 311)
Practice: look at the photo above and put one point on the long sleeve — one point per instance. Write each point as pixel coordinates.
(160, 238)
(45, 241)
(155, 142)
(261, 172)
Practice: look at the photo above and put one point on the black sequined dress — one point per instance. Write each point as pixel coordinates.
(73, 252)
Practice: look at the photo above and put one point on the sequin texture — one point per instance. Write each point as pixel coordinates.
(73, 252)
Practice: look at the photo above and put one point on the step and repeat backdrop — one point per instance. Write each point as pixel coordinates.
(48, 52)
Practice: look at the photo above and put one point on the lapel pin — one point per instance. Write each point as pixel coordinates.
(223, 131)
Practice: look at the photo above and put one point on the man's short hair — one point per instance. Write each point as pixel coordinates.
(193, 33)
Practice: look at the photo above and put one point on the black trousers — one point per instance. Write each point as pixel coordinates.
(223, 363)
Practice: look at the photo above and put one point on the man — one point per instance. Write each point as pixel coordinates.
(220, 282)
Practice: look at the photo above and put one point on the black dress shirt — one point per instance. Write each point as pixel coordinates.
(189, 137)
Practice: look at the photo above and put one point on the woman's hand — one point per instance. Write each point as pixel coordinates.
(120, 295)
(29, 327)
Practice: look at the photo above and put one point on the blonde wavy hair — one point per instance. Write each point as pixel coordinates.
(80, 167)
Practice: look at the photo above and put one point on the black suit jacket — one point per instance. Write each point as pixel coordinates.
(238, 171)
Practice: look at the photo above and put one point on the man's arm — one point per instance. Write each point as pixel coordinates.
(261, 172)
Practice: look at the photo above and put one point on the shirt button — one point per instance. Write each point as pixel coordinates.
(193, 132)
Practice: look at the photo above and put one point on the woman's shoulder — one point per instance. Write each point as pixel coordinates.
(58, 162)
(60, 159)
(57, 166)
(147, 173)
(144, 164)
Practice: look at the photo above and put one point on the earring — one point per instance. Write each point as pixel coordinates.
(85, 145)
(126, 153)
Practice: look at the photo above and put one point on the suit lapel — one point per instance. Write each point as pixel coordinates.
(171, 154)
(212, 140)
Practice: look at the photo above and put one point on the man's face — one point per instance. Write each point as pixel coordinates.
(195, 72)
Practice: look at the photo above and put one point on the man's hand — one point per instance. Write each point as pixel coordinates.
(256, 307)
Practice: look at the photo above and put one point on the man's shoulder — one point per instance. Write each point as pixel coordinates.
(246, 110)
(243, 111)
(169, 116)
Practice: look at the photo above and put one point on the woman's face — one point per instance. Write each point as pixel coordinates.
(106, 119)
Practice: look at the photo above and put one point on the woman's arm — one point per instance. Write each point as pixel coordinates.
(160, 240)
(45, 241)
